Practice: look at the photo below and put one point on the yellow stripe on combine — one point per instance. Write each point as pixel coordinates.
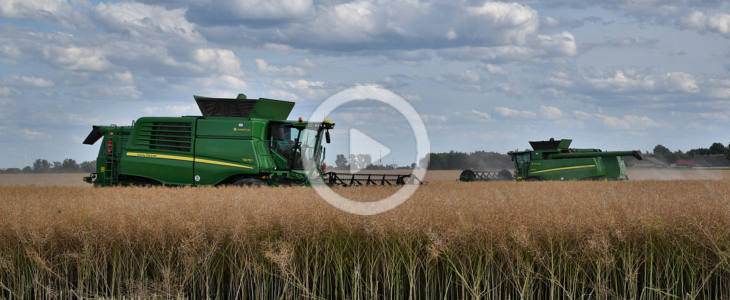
(186, 158)
(564, 168)
(163, 156)
(213, 162)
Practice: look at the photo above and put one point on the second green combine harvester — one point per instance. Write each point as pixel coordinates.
(555, 160)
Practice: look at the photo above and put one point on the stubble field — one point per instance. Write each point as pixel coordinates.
(495, 240)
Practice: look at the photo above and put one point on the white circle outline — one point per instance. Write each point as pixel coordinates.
(377, 93)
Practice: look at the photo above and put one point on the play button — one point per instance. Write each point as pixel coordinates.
(361, 145)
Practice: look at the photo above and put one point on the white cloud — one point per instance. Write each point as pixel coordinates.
(717, 23)
(233, 82)
(633, 81)
(470, 75)
(494, 69)
(550, 22)
(517, 21)
(623, 81)
(302, 84)
(5, 91)
(679, 81)
(123, 92)
(551, 112)
(582, 114)
(278, 47)
(264, 67)
(217, 60)
(10, 50)
(122, 77)
(433, 118)
(30, 81)
(58, 11)
(717, 116)
(560, 79)
(558, 44)
(282, 94)
(481, 114)
(76, 58)
(514, 113)
(170, 110)
(626, 122)
(30, 134)
(141, 20)
(412, 98)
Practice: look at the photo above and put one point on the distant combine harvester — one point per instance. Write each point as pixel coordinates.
(555, 160)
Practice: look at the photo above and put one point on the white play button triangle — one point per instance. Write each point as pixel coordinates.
(361, 144)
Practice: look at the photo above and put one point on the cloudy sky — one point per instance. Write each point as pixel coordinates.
(613, 74)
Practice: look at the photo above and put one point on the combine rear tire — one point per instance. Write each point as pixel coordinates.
(251, 182)
(467, 175)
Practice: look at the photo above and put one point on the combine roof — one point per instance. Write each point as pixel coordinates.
(552, 144)
(261, 108)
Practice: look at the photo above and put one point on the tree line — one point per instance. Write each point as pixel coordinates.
(454, 160)
(663, 153)
(44, 166)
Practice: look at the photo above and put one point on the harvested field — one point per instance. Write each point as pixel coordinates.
(53, 179)
(494, 240)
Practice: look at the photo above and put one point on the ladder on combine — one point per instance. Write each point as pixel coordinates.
(357, 179)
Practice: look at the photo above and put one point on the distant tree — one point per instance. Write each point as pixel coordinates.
(69, 165)
(13, 171)
(341, 162)
(698, 151)
(41, 166)
(27, 169)
(717, 148)
(88, 166)
(57, 166)
(727, 153)
(664, 153)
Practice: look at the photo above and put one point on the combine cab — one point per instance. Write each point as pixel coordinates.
(554, 160)
(235, 141)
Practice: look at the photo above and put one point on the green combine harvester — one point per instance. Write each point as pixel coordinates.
(243, 142)
(235, 142)
(555, 160)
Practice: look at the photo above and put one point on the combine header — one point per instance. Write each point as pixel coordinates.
(554, 160)
(235, 142)
(357, 179)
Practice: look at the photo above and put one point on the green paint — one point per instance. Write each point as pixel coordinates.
(257, 143)
(554, 160)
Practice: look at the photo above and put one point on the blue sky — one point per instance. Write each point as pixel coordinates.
(622, 74)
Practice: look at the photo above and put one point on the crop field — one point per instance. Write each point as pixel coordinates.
(491, 240)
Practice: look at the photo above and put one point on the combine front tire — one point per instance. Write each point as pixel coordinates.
(251, 182)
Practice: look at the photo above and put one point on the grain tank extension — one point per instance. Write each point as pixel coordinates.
(555, 160)
(235, 141)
